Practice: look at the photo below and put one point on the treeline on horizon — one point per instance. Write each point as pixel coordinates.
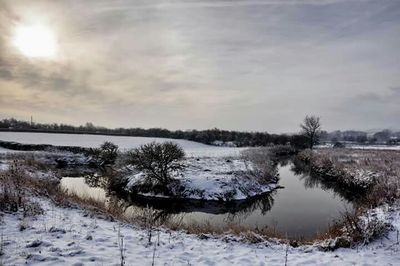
(211, 136)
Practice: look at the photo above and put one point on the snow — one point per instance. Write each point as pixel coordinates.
(211, 173)
(124, 142)
(73, 237)
(4, 166)
(374, 147)
(3, 150)
(213, 179)
(359, 168)
(363, 147)
(76, 237)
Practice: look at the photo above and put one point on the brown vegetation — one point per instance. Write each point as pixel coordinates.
(260, 165)
(375, 172)
(383, 167)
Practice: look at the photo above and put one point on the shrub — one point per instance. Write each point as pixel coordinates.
(106, 155)
(158, 162)
(338, 145)
(282, 150)
(260, 164)
(14, 192)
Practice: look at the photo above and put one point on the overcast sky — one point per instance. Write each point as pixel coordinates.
(242, 65)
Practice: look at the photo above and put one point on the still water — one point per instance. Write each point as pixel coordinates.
(304, 206)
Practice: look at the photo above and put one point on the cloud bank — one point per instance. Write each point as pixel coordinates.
(246, 65)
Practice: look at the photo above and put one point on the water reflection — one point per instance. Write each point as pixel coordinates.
(304, 207)
(312, 180)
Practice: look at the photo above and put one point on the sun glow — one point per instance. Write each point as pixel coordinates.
(35, 41)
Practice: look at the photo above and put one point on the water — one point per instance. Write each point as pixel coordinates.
(303, 208)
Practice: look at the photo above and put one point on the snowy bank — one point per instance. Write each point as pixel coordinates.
(75, 237)
(339, 165)
(213, 179)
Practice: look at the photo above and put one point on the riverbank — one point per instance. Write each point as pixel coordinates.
(67, 231)
(77, 237)
(208, 173)
(211, 178)
(375, 172)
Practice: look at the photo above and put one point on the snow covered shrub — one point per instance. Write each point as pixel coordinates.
(339, 166)
(15, 193)
(106, 155)
(359, 227)
(282, 150)
(368, 226)
(260, 165)
(12, 195)
(116, 181)
(157, 164)
(374, 227)
(305, 156)
(376, 172)
(1, 244)
(385, 190)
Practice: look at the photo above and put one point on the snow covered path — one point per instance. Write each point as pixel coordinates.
(71, 237)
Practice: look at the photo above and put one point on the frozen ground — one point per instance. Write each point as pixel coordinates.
(365, 147)
(191, 148)
(211, 172)
(72, 237)
(3, 150)
(375, 147)
(213, 178)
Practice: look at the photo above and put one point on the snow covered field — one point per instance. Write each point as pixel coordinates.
(64, 236)
(374, 147)
(3, 150)
(72, 237)
(215, 179)
(91, 141)
(208, 175)
(365, 147)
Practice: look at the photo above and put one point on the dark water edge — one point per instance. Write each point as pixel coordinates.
(304, 207)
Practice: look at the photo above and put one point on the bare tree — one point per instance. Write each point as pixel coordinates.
(157, 161)
(311, 129)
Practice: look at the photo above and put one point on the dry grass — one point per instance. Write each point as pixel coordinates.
(357, 227)
(15, 194)
(204, 229)
(65, 199)
(260, 165)
(376, 172)
(17, 187)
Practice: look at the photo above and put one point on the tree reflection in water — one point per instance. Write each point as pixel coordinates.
(313, 180)
(177, 211)
(173, 210)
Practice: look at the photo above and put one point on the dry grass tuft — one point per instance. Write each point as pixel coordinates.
(14, 193)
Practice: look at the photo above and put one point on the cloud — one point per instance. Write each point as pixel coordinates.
(198, 64)
(370, 110)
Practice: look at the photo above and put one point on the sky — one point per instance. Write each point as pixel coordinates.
(197, 64)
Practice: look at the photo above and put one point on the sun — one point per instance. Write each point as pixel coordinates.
(37, 41)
